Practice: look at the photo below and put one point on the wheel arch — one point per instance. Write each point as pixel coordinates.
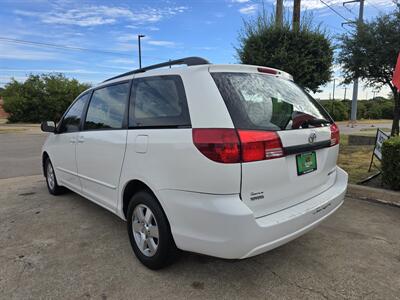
(132, 187)
(45, 156)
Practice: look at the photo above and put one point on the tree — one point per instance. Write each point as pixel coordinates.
(306, 53)
(40, 97)
(338, 110)
(371, 55)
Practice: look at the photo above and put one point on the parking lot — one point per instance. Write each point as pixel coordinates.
(67, 247)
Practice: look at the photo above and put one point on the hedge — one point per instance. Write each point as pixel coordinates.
(40, 97)
(366, 109)
(391, 163)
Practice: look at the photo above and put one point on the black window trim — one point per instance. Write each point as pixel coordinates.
(87, 92)
(125, 119)
(132, 98)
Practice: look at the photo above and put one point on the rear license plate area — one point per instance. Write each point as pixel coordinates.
(306, 163)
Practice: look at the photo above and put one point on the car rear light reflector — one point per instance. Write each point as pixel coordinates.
(260, 145)
(220, 145)
(335, 134)
(267, 70)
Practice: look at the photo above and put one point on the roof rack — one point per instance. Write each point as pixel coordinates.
(189, 61)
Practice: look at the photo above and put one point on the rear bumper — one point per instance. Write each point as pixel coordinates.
(223, 226)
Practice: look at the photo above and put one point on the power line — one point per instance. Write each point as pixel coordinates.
(334, 10)
(58, 46)
(374, 6)
(349, 10)
(66, 47)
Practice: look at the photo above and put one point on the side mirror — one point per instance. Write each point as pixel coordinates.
(48, 126)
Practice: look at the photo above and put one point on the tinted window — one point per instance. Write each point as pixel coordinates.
(259, 101)
(107, 107)
(72, 119)
(159, 101)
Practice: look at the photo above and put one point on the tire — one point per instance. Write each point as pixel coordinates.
(149, 232)
(51, 179)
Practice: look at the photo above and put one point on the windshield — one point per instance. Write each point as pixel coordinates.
(259, 101)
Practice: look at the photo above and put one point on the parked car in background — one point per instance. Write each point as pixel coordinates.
(224, 160)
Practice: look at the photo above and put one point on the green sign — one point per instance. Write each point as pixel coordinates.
(306, 162)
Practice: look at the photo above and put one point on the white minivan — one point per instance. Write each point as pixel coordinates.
(223, 160)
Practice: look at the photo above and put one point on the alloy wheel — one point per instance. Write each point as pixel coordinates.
(145, 230)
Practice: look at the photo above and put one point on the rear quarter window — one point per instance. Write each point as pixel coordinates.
(259, 101)
(158, 101)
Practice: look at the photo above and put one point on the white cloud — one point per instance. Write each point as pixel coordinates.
(93, 15)
(161, 43)
(8, 78)
(240, 1)
(66, 71)
(248, 9)
(207, 48)
(121, 61)
(14, 52)
(317, 4)
(127, 37)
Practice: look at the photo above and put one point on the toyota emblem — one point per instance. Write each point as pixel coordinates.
(312, 138)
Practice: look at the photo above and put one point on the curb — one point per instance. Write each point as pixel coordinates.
(373, 194)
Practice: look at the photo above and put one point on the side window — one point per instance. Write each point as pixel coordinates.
(72, 119)
(107, 107)
(158, 101)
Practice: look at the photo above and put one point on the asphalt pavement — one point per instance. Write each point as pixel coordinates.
(20, 154)
(66, 247)
(346, 128)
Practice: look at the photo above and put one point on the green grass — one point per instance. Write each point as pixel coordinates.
(378, 121)
(355, 159)
(373, 129)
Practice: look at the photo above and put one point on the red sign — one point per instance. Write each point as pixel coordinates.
(396, 74)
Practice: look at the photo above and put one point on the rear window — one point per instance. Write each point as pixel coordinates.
(259, 101)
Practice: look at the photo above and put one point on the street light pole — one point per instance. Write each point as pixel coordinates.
(140, 49)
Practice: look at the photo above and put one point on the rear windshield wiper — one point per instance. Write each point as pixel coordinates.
(314, 122)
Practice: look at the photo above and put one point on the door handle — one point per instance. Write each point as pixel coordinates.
(81, 139)
(72, 140)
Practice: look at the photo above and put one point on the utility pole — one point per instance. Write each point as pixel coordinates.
(279, 13)
(345, 90)
(333, 93)
(296, 15)
(355, 83)
(140, 49)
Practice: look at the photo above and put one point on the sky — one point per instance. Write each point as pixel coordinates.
(94, 40)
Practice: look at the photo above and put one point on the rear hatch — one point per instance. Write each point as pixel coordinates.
(288, 141)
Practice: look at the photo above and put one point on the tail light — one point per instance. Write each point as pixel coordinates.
(260, 145)
(335, 134)
(220, 145)
(231, 146)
